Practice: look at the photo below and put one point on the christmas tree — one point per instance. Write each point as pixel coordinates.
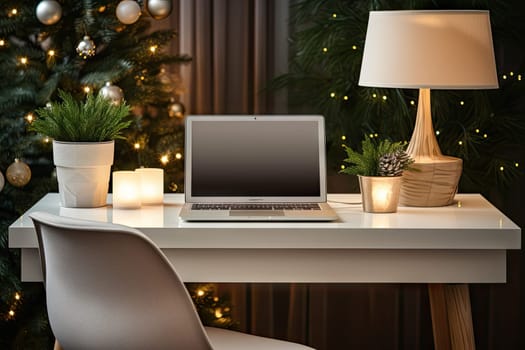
(81, 47)
(481, 127)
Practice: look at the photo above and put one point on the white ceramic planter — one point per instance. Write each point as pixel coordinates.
(83, 170)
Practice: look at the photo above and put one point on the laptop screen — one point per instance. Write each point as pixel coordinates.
(255, 156)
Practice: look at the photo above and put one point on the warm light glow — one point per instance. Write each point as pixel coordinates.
(17, 296)
(218, 313)
(354, 47)
(11, 313)
(332, 94)
(164, 159)
(215, 299)
(459, 204)
(501, 168)
(151, 185)
(153, 48)
(384, 97)
(126, 190)
(504, 76)
(142, 77)
(178, 156)
(46, 139)
(2, 42)
(14, 12)
(87, 89)
(517, 164)
(462, 103)
(102, 9)
(200, 292)
(374, 95)
(437, 132)
(334, 15)
(23, 60)
(485, 135)
(325, 49)
(136, 145)
(511, 74)
(343, 137)
(519, 76)
(51, 53)
(345, 98)
(30, 117)
(460, 143)
(477, 131)
(412, 102)
(343, 167)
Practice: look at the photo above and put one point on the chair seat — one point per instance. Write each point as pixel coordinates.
(222, 339)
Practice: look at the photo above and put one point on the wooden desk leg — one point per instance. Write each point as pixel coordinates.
(57, 346)
(451, 317)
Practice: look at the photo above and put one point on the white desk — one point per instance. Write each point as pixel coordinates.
(462, 243)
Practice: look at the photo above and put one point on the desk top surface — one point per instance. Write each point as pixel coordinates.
(470, 223)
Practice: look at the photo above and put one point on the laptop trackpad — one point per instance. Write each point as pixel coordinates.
(256, 213)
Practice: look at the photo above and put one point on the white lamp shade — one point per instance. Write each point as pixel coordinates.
(429, 49)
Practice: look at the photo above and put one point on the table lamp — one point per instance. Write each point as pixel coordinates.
(429, 50)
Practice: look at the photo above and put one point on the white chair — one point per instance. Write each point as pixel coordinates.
(110, 287)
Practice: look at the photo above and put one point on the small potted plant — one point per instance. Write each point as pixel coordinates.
(379, 168)
(83, 134)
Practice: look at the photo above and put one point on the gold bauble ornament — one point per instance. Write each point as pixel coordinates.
(128, 12)
(158, 9)
(176, 110)
(18, 173)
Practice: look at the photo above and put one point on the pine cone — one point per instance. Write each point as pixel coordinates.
(393, 164)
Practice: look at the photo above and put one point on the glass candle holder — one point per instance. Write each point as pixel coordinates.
(126, 190)
(151, 185)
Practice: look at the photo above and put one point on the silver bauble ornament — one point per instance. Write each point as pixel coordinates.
(112, 93)
(128, 12)
(86, 47)
(158, 9)
(48, 12)
(2, 181)
(176, 110)
(18, 173)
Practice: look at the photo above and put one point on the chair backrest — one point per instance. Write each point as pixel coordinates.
(110, 287)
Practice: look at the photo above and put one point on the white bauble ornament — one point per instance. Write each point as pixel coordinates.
(112, 93)
(2, 181)
(158, 9)
(18, 173)
(86, 47)
(128, 12)
(48, 12)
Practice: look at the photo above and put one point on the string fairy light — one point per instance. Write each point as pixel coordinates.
(345, 98)
(343, 137)
(325, 49)
(200, 292)
(30, 117)
(354, 47)
(51, 53)
(164, 159)
(461, 103)
(438, 132)
(153, 48)
(2, 42)
(334, 15)
(136, 146)
(23, 60)
(332, 94)
(178, 155)
(343, 167)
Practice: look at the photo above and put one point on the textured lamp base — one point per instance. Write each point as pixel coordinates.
(434, 184)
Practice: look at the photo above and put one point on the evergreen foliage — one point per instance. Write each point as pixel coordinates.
(37, 61)
(368, 162)
(95, 120)
(482, 127)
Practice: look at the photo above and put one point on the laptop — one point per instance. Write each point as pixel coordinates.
(255, 168)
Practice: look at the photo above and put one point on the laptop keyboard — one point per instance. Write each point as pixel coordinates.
(256, 206)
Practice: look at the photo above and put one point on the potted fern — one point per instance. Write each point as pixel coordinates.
(83, 134)
(379, 167)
